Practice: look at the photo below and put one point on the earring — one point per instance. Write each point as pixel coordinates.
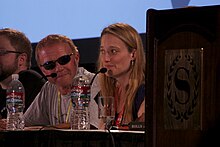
(132, 62)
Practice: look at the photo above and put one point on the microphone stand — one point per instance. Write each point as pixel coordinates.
(102, 70)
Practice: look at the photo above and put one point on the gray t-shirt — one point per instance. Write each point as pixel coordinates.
(44, 109)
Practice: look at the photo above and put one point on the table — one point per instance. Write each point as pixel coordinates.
(72, 138)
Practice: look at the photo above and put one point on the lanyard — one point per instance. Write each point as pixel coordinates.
(120, 115)
(59, 109)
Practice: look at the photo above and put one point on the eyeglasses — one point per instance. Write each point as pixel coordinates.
(4, 52)
(49, 65)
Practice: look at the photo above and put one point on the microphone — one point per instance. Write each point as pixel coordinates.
(102, 70)
(52, 75)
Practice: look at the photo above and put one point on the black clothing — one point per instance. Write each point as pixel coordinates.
(3, 112)
(32, 82)
(139, 98)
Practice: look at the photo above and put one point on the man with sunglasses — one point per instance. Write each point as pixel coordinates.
(15, 57)
(57, 54)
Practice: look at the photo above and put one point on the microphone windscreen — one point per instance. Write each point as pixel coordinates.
(53, 75)
(103, 70)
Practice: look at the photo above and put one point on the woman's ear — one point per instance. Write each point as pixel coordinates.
(133, 54)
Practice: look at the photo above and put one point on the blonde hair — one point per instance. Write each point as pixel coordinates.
(53, 39)
(133, 41)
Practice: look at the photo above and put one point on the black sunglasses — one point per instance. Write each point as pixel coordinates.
(49, 65)
(4, 52)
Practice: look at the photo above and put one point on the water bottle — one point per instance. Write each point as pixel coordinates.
(15, 97)
(80, 97)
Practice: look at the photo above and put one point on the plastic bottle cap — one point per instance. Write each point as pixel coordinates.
(15, 76)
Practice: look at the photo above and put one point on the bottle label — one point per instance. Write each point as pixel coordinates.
(14, 101)
(80, 92)
(17, 96)
(80, 95)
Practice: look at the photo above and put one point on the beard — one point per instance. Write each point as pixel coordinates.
(6, 71)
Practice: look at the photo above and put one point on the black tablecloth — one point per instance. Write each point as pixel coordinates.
(72, 138)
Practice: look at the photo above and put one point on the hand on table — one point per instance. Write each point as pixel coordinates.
(63, 126)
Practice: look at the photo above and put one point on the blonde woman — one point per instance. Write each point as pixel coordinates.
(122, 53)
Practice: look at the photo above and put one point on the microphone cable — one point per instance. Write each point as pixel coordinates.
(102, 70)
(108, 126)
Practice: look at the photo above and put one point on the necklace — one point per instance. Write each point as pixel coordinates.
(59, 109)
